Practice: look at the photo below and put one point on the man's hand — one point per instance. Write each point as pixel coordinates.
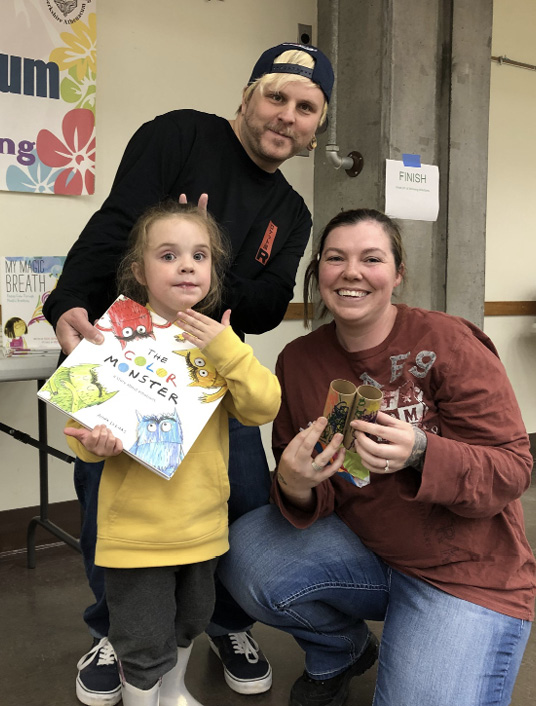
(201, 204)
(72, 327)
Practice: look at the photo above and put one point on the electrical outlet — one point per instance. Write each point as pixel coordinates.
(305, 34)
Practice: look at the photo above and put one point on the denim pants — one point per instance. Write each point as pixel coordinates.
(321, 584)
(249, 479)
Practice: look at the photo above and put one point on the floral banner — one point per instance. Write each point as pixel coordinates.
(47, 96)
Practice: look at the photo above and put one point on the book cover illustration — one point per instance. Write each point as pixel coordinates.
(153, 389)
(25, 284)
(344, 403)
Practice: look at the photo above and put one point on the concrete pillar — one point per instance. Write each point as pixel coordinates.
(413, 77)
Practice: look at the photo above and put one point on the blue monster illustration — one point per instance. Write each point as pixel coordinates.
(159, 441)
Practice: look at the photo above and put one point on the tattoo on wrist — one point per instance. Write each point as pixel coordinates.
(416, 457)
(280, 479)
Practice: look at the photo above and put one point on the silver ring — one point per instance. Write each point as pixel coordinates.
(316, 467)
(386, 469)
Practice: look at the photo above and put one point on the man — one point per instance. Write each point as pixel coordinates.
(237, 164)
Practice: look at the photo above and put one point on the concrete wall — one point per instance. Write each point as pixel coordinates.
(414, 78)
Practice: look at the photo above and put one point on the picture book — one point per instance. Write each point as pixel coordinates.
(152, 388)
(25, 284)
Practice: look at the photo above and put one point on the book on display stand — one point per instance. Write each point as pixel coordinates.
(25, 284)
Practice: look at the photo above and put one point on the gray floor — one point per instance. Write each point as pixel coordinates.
(42, 636)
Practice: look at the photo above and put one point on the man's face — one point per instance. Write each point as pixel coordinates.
(277, 125)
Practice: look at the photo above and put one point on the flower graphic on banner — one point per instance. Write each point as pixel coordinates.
(82, 92)
(80, 50)
(75, 156)
(37, 178)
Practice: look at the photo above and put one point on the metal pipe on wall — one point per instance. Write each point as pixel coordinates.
(353, 163)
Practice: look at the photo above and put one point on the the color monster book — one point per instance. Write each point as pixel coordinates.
(142, 382)
(25, 283)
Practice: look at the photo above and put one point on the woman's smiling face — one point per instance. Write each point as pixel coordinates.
(357, 274)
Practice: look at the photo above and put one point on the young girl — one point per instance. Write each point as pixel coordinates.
(159, 540)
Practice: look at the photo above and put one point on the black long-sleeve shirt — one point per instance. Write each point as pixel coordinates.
(185, 151)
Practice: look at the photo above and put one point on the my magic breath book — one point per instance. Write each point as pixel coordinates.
(153, 389)
(25, 284)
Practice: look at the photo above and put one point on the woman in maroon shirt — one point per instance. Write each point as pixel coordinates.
(434, 544)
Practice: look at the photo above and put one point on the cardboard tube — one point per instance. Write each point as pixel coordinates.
(338, 405)
(366, 406)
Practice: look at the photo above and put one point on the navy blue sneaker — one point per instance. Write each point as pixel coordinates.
(245, 668)
(98, 682)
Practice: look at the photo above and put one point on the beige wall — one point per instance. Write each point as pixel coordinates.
(152, 57)
(511, 216)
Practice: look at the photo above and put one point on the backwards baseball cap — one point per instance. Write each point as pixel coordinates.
(321, 73)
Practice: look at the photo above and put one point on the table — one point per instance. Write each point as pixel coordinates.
(37, 367)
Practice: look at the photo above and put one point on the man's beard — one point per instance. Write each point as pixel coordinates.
(256, 134)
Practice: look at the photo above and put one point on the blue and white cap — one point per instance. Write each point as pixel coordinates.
(321, 73)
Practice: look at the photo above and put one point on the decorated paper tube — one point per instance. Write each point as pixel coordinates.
(366, 406)
(339, 402)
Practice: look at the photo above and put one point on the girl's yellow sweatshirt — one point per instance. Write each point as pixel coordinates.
(145, 520)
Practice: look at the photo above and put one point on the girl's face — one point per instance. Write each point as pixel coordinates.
(19, 328)
(357, 274)
(176, 265)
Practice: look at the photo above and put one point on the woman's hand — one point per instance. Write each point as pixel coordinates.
(401, 444)
(298, 472)
(200, 329)
(100, 441)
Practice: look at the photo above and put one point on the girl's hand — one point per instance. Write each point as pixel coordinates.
(100, 441)
(298, 472)
(200, 329)
(402, 444)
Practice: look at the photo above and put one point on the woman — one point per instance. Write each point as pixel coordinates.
(434, 545)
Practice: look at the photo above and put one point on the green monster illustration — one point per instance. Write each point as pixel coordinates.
(77, 387)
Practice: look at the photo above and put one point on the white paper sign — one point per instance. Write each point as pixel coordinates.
(411, 192)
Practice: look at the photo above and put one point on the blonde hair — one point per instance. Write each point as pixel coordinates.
(127, 283)
(276, 81)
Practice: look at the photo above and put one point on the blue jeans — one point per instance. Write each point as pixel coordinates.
(250, 488)
(86, 483)
(321, 584)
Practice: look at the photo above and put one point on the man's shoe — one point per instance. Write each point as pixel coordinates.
(98, 683)
(246, 669)
(332, 692)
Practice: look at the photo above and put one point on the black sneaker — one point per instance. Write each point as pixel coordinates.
(332, 692)
(246, 669)
(98, 683)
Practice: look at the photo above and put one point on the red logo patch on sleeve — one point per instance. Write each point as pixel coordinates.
(265, 250)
